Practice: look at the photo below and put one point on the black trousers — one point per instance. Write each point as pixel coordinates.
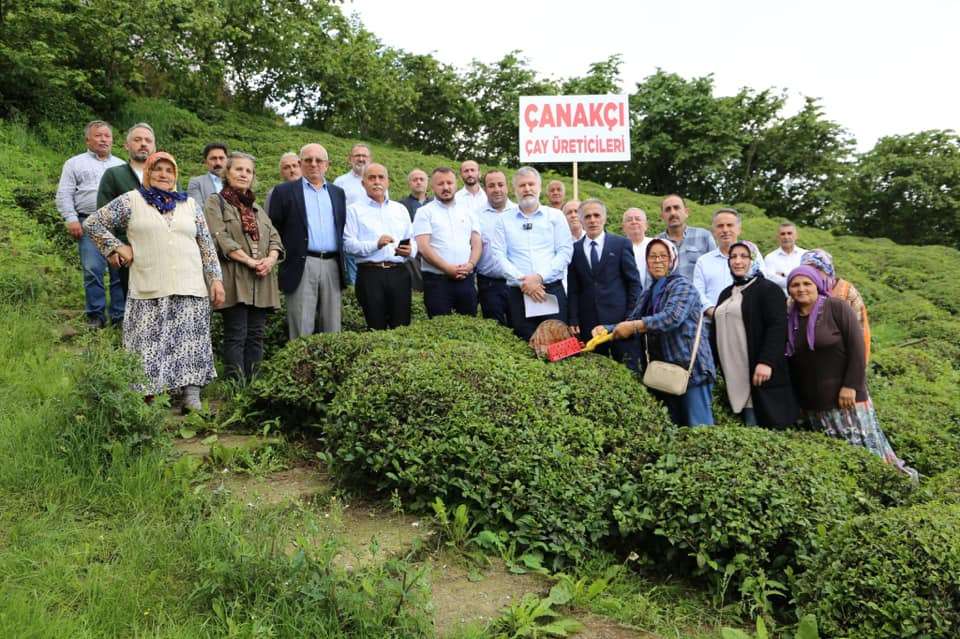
(494, 299)
(243, 329)
(523, 326)
(384, 295)
(443, 295)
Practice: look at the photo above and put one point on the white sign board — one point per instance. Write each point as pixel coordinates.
(574, 128)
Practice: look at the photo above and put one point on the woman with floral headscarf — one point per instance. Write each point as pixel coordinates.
(841, 289)
(170, 255)
(825, 353)
(668, 313)
(750, 329)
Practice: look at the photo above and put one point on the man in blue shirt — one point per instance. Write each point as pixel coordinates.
(491, 287)
(201, 187)
(532, 247)
(691, 241)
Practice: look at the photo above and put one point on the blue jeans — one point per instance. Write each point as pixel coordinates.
(94, 268)
(693, 408)
(351, 262)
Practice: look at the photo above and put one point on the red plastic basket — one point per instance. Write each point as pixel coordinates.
(566, 348)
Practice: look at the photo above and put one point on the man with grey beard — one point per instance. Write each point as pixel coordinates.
(532, 247)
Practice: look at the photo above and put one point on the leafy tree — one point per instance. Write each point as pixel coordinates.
(907, 188)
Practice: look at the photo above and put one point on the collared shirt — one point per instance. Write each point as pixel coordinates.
(79, 182)
(352, 185)
(587, 246)
(779, 263)
(450, 229)
(217, 182)
(711, 275)
(640, 254)
(413, 204)
(367, 221)
(696, 243)
(321, 227)
(488, 216)
(539, 243)
(475, 201)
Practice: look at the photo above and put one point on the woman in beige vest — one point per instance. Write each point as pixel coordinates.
(249, 249)
(170, 255)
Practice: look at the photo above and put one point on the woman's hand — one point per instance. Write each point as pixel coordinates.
(626, 329)
(598, 331)
(121, 256)
(266, 265)
(761, 374)
(217, 295)
(847, 398)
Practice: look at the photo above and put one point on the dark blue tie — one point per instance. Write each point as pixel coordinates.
(594, 259)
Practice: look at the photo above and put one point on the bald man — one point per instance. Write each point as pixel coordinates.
(556, 194)
(309, 214)
(471, 194)
(571, 212)
(635, 229)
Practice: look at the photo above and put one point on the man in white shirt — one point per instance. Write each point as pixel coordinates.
(352, 184)
(471, 194)
(635, 228)
(556, 193)
(448, 240)
(780, 262)
(491, 287)
(379, 232)
(532, 246)
(571, 212)
(711, 274)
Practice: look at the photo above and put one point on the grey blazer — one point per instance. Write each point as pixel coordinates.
(200, 188)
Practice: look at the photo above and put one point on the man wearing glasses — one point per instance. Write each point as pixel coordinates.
(309, 214)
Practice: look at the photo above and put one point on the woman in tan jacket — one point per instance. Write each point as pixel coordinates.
(248, 247)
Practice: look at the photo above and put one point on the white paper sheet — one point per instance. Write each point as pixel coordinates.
(533, 308)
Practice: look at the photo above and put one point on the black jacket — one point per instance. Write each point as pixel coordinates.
(288, 213)
(765, 321)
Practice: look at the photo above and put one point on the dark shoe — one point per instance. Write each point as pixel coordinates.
(148, 399)
(96, 323)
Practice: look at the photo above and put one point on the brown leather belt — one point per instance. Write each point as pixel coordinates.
(379, 264)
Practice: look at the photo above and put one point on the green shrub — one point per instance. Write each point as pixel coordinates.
(894, 574)
(943, 487)
(738, 499)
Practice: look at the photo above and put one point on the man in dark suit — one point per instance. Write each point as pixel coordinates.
(309, 214)
(603, 280)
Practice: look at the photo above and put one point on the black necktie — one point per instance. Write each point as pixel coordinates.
(594, 259)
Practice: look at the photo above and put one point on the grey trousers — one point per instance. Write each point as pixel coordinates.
(315, 307)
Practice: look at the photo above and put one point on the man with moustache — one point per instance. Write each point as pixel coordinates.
(635, 228)
(491, 286)
(692, 242)
(532, 248)
(571, 211)
(352, 184)
(712, 273)
(602, 282)
(448, 240)
(201, 187)
(309, 214)
(471, 194)
(289, 172)
(76, 199)
(378, 231)
(784, 259)
(417, 181)
(556, 193)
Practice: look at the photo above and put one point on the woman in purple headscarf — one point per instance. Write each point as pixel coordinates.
(827, 366)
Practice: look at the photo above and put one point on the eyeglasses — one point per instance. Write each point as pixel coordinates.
(314, 160)
(658, 258)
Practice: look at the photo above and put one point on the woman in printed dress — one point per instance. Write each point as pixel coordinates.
(172, 259)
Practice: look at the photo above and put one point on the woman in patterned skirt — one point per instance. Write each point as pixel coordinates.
(827, 366)
(170, 255)
(841, 289)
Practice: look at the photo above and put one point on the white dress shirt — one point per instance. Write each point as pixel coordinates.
(640, 255)
(779, 263)
(367, 221)
(475, 201)
(711, 275)
(352, 185)
(450, 229)
(587, 246)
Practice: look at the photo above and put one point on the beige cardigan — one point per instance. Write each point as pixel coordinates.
(240, 282)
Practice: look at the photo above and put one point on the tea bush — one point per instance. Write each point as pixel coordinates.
(737, 499)
(892, 574)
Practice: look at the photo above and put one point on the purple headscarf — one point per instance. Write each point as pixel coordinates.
(793, 318)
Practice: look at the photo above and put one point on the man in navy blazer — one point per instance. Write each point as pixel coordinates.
(309, 214)
(603, 280)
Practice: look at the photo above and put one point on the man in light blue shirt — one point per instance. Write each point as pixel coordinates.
(76, 199)
(491, 287)
(711, 274)
(532, 247)
(692, 242)
(201, 187)
(448, 239)
(379, 232)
